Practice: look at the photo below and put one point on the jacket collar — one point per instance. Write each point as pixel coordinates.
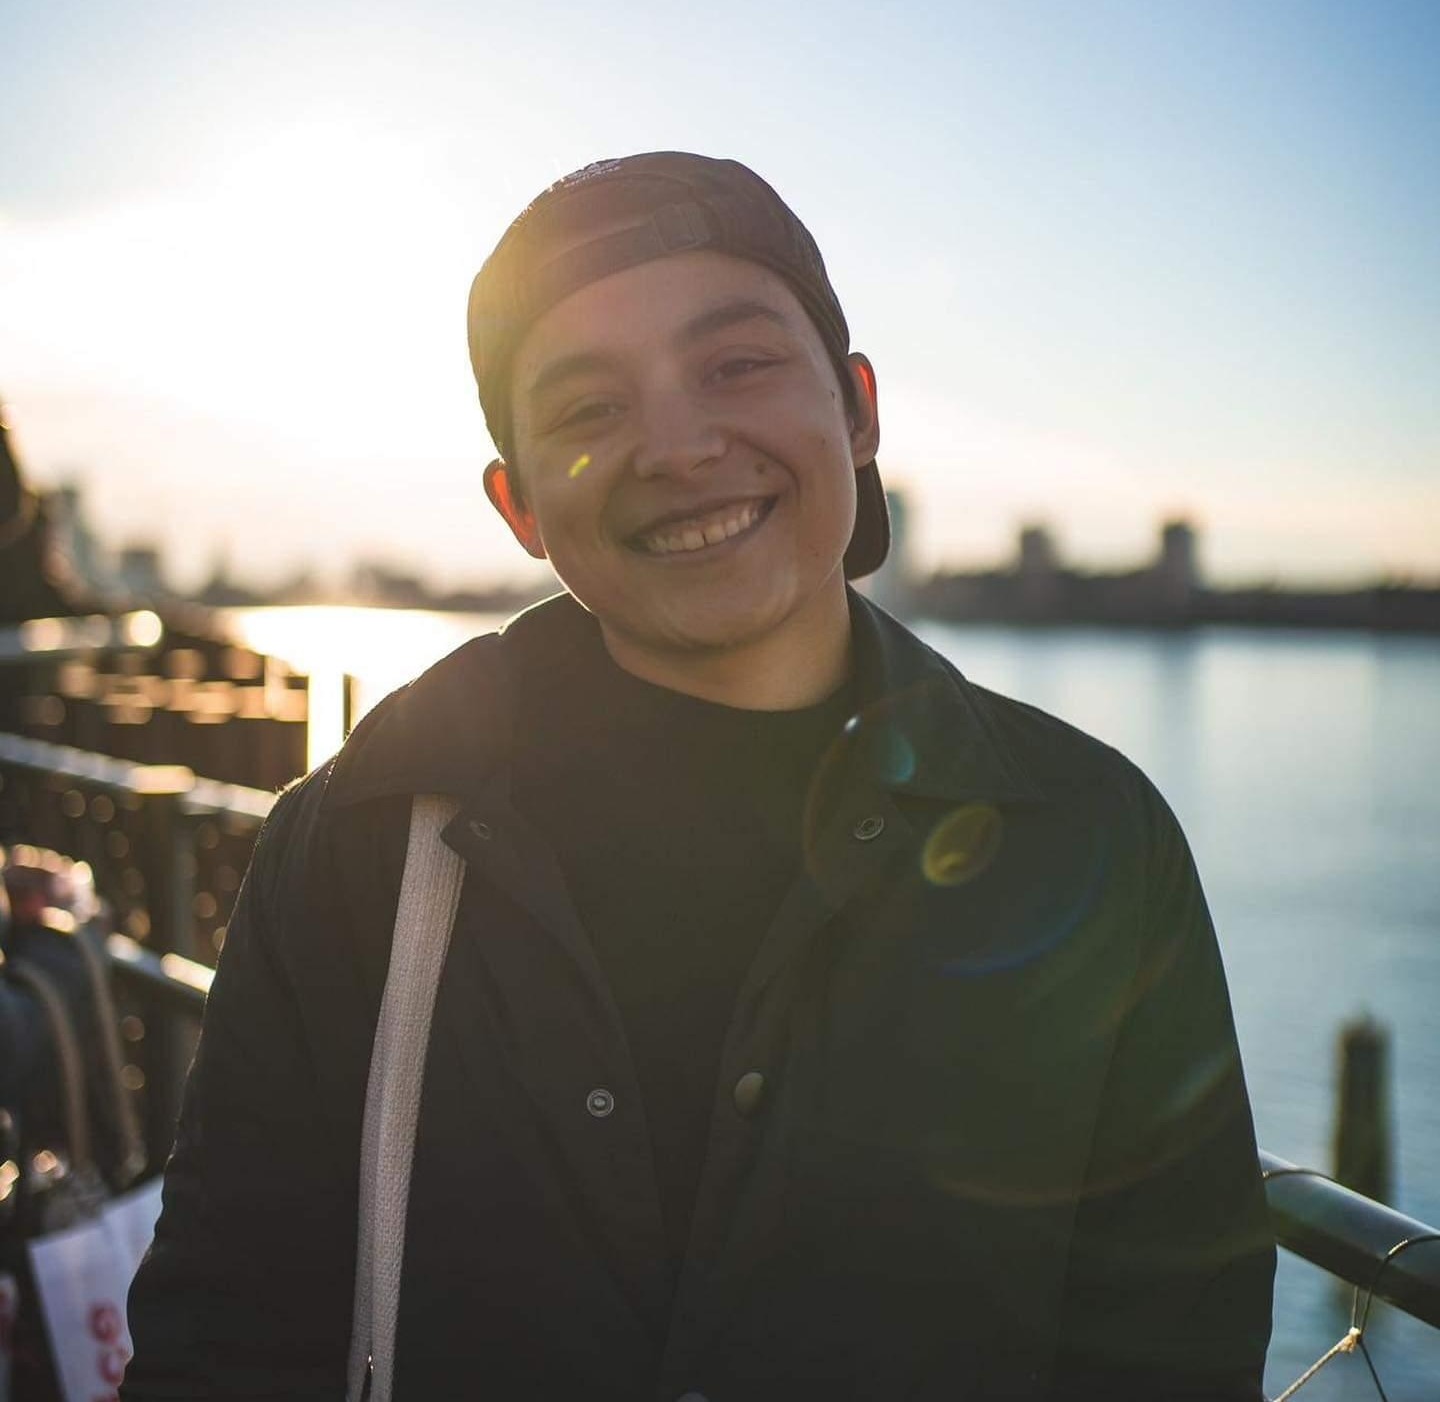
(920, 727)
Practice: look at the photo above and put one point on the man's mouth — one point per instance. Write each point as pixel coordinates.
(685, 535)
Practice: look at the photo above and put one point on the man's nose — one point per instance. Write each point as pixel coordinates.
(677, 435)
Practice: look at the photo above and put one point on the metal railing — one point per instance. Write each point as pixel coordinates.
(194, 796)
(1381, 1252)
(153, 690)
(167, 849)
(79, 637)
(173, 981)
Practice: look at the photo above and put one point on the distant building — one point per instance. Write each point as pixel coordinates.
(1177, 574)
(303, 587)
(1037, 567)
(221, 590)
(1039, 588)
(383, 586)
(35, 582)
(1167, 592)
(1036, 554)
(139, 574)
(71, 535)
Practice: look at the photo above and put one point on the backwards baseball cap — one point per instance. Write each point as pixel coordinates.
(617, 214)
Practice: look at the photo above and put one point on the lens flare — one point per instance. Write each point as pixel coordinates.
(1174, 1124)
(962, 844)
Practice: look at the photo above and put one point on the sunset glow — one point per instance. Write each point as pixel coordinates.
(1109, 267)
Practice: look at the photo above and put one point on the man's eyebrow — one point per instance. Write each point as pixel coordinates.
(565, 367)
(729, 314)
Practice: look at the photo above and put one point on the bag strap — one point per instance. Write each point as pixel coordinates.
(75, 1115)
(130, 1145)
(429, 897)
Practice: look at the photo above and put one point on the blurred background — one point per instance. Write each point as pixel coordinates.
(1153, 293)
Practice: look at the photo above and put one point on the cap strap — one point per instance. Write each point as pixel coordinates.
(673, 228)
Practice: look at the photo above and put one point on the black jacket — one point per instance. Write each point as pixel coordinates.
(1001, 1148)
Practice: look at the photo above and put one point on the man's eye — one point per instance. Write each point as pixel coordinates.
(589, 411)
(739, 365)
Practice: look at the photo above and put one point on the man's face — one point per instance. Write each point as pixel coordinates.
(684, 450)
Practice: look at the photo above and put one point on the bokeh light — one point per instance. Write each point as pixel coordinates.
(962, 844)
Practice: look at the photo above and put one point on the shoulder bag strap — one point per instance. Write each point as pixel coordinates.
(69, 1063)
(429, 896)
(129, 1142)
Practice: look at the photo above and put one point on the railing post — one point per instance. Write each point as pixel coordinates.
(168, 866)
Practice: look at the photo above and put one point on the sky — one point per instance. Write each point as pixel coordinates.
(1112, 261)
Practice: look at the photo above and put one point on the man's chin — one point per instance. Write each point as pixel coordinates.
(697, 635)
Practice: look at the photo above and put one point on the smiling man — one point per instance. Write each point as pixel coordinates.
(815, 1024)
(684, 449)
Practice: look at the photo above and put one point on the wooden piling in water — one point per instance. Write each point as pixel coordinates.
(1362, 1117)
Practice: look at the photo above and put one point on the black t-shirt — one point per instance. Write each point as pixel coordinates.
(677, 824)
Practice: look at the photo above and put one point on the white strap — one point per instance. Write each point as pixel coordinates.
(429, 895)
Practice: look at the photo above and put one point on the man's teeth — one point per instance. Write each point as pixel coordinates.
(705, 530)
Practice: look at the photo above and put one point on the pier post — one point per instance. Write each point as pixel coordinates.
(1362, 1121)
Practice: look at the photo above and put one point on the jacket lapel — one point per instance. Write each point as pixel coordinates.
(560, 1037)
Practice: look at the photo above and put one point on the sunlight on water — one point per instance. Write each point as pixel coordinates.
(381, 648)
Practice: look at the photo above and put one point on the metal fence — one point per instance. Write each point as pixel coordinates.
(138, 687)
(167, 850)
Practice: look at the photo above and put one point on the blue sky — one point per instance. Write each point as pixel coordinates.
(1112, 260)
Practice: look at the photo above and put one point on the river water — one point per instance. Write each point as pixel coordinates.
(1305, 768)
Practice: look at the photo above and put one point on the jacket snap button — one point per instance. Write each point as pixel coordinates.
(481, 830)
(869, 828)
(600, 1103)
(749, 1092)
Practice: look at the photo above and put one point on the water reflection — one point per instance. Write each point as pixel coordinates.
(381, 648)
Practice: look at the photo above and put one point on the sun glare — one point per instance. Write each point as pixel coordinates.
(381, 649)
(312, 269)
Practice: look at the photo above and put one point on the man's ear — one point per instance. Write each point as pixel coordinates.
(505, 497)
(865, 413)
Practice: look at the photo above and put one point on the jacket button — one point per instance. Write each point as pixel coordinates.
(749, 1092)
(600, 1102)
(867, 829)
(479, 829)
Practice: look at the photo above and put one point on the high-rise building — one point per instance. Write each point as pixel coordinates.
(1176, 572)
(139, 573)
(1036, 555)
(74, 539)
(1037, 568)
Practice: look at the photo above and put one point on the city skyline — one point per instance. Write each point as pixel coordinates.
(1113, 264)
(1036, 582)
